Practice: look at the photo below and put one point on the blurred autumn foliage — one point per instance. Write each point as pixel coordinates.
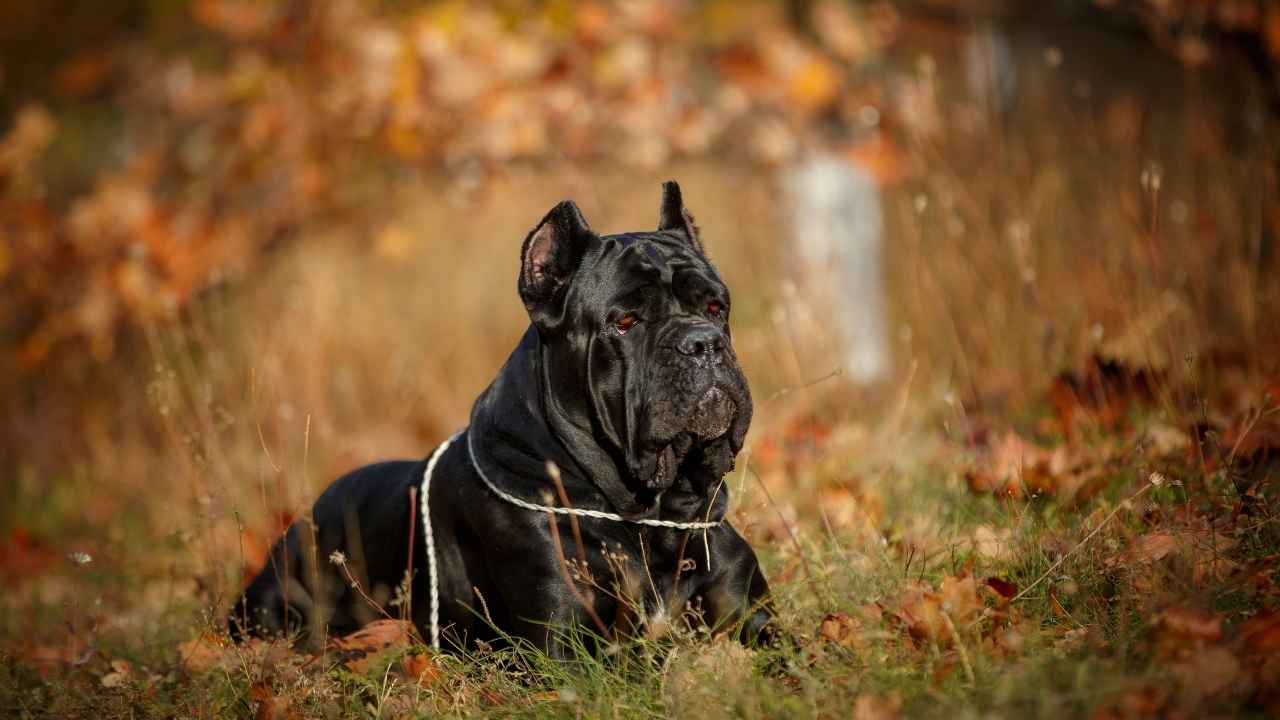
(220, 127)
(273, 113)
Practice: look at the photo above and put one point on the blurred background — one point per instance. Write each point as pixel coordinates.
(246, 245)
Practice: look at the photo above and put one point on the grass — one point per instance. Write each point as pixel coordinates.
(848, 531)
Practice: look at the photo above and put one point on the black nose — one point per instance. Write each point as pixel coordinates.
(701, 341)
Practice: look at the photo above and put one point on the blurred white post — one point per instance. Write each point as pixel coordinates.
(838, 231)
(989, 69)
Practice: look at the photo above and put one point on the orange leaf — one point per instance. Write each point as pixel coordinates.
(359, 649)
(842, 629)
(421, 668)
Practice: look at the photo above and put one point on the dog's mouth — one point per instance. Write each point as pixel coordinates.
(712, 415)
(687, 452)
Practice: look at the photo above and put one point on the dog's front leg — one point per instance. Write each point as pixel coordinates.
(550, 617)
(736, 596)
(546, 600)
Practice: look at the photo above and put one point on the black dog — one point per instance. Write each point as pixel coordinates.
(627, 382)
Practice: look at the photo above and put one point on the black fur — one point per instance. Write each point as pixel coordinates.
(642, 419)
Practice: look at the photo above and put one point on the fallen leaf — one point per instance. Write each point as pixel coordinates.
(121, 673)
(1102, 392)
(925, 613)
(842, 629)
(421, 668)
(960, 597)
(1150, 548)
(203, 653)
(271, 706)
(1056, 606)
(358, 650)
(1003, 588)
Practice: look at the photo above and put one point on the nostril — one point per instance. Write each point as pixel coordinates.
(702, 342)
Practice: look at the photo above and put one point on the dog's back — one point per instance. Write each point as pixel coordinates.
(304, 587)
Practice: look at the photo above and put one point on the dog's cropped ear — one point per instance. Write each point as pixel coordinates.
(551, 253)
(675, 216)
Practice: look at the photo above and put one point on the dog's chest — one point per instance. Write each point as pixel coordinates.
(650, 578)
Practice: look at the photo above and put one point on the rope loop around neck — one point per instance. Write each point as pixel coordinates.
(598, 514)
(429, 535)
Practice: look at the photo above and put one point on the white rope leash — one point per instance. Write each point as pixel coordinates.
(430, 539)
(599, 514)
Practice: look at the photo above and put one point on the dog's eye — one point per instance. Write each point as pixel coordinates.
(714, 308)
(625, 323)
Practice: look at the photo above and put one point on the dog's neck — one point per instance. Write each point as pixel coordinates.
(516, 442)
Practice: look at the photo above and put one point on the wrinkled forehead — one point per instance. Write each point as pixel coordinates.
(652, 256)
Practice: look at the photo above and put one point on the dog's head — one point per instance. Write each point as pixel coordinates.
(634, 334)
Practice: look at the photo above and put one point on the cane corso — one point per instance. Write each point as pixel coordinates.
(623, 400)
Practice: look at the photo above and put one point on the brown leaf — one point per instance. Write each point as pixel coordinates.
(121, 674)
(960, 598)
(924, 613)
(1151, 547)
(842, 629)
(421, 668)
(982, 482)
(1003, 588)
(1103, 392)
(271, 706)
(359, 649)
(1013, 457)
(204, 654)
(1056, 606)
